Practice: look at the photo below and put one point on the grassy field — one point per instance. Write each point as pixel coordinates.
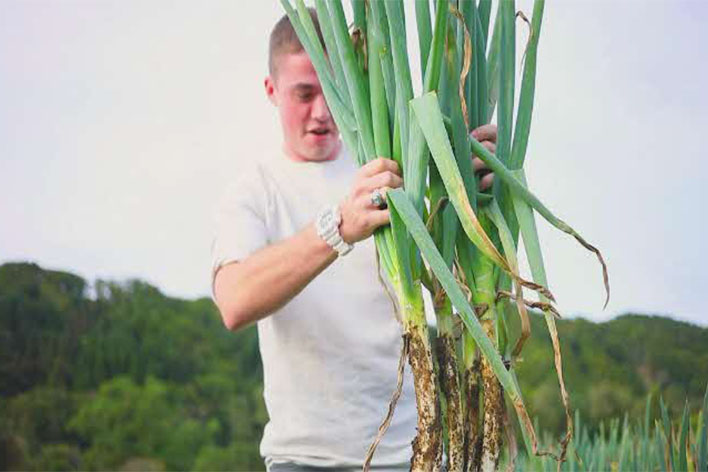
(656, 443)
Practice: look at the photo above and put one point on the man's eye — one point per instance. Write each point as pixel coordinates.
(304, 97)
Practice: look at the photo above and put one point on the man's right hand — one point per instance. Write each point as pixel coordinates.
(255, 287)
(359, 215)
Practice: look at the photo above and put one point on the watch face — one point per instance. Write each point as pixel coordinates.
(328, 219)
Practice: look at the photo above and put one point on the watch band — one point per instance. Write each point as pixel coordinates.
(327, 225)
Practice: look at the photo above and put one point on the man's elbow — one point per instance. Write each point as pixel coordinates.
(240, 312)
(240, 304)
(233, 316)
(231, 305)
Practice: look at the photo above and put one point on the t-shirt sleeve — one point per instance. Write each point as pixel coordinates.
(239, 222)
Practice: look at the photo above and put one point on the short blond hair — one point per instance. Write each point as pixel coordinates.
(284, 40)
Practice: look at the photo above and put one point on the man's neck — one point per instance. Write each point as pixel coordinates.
(295, 157)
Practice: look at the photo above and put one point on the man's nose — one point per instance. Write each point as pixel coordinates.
(320, 110)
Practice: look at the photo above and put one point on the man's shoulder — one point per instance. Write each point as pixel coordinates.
(245, 186)
(247, 176)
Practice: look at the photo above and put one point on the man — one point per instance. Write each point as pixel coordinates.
(327, 335)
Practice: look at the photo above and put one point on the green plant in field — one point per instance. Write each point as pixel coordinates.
(444, 235)
(661, 444)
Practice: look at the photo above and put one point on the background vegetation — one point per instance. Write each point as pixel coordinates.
(131, 379)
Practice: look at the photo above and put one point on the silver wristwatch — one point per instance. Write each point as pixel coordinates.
(327, 224)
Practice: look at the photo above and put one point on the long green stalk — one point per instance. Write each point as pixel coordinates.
(427, 445)
(448, 368)
(524, 213)
(378, 17)
(493, 65)
(681, 461)
(416, 228)
(418, 155)
(667, 434)
(425, 32)
(529, 233)
(480, 46)
(505, 111)
(496, 216)
(507, 57)
(404, 86)
(484, 8)
(379, 107)
(703, 444)
(503, 173)
(528, 87)
(442, 223)
(333, 54)
(484, 297)
(385, 241)
(354, 79)
(431, 122)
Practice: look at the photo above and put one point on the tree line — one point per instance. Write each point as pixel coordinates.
(121, 376)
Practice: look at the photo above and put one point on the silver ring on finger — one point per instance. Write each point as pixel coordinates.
(378, 200)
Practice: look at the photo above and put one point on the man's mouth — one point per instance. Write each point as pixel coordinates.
(319, 131)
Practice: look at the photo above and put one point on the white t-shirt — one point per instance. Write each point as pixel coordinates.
(330, 355)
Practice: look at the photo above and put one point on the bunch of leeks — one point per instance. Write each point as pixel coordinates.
(444, 235)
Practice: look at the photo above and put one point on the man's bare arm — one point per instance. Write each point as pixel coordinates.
(251, 289)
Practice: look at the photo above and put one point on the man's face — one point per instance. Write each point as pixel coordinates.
(308, 128)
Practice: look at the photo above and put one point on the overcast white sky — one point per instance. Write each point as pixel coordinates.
(122, 121)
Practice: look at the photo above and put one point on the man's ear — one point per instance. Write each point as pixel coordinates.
(270, 91)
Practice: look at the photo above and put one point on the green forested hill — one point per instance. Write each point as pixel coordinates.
(611, 367)
(131, 379)
(90, 384)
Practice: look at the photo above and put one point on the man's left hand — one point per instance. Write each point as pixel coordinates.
(487, 136)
